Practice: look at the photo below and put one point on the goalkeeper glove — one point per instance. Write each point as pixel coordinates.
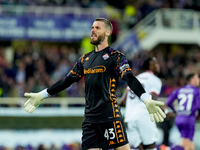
(153, 108)
(35, 98)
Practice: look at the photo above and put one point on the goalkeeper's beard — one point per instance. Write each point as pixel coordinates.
(100, 38)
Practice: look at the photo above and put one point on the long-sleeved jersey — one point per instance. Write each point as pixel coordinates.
(188, 103)
(101, 71)
(188, 100)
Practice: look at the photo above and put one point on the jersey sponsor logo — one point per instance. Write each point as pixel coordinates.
(96, 69)
(105, 56)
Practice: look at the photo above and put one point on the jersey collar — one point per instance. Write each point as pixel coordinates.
(149, 71)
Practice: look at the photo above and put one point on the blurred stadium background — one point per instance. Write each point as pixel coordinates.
(40, 40)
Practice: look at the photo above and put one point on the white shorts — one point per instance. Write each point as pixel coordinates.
(142, 130)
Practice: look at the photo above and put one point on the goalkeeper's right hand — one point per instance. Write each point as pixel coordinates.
(35, 98)
(153, 108)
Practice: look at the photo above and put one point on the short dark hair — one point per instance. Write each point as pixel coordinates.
(107, 23)
(189, 77)
(146, 63)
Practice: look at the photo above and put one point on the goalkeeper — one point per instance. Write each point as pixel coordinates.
(103, 127)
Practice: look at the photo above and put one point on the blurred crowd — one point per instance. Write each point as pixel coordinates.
(37, 66)
(72, 146)
(148, 4)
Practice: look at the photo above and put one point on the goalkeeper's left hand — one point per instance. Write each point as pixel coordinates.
(153, 108)
(34, 100)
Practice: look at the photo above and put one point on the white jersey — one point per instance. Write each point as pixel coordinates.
(134, 106)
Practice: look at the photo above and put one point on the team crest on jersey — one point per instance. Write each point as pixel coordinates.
(105, 56)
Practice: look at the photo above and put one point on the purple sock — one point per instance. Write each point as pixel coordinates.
(177, 147)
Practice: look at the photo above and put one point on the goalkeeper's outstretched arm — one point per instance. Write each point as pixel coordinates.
(35, 98)
(152, 106)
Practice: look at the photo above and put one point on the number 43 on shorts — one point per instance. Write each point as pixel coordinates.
(109, 134)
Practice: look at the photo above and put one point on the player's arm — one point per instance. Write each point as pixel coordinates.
(124, 97)
(124, 71)
(134, 84)
(64, 83)
(170, 100)
(35, 98)
(155, 89)
(154, 95)
(151, 105)
(171, 107)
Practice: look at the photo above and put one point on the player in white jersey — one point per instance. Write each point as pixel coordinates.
(142, 131)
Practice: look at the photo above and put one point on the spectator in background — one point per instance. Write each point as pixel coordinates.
(20, 74)
(131, 14)
(86, 46)
(115, 29)
(30, 68)
(42, 147)
(192, 4)
(53, 59)
(147, 7)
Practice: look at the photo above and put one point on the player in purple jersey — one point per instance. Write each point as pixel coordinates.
(188, 98)
(103, 126)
